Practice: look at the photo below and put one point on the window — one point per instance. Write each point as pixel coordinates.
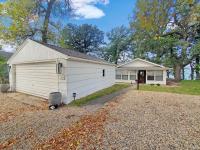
(118, 75)
(103, 73)
(159, 75)
(150, 75)
(132, 75)
(125, 75)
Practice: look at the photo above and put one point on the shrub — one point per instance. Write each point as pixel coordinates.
(3, 71)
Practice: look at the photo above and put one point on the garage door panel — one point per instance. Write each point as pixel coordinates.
(37, 79)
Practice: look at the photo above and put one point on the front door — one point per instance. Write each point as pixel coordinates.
(142, 76)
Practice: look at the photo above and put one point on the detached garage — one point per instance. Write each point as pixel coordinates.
(39, 69)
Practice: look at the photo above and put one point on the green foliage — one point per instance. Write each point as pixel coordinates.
(186, 87)
(120, 46)
(3, 70)
(195, 50)
(15, 19)
(149, 23)
(30, 18)
(167, 31)
(197, 67)
(2, 60)
(84, 38)
(101, 93)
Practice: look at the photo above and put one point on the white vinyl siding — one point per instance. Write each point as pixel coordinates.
(33, 52)
(37, 79)
(84, 78)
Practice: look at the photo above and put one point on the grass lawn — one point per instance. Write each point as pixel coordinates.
(186, 87)
(98, 94)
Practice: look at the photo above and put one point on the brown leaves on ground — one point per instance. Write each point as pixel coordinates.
(5, 116)
(8, 144)
(87, 133)
(12, 106)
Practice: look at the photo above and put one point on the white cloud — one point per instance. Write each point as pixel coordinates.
(87, 8)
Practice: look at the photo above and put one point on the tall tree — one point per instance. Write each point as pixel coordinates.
(195, 50)
(164, 33)
(120, 46)
(186, 31)
(84, 38)
(148, 23)
(14, 23)
(29, 18)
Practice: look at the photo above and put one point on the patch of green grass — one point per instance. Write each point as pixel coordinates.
(186, 87)
(98, 94)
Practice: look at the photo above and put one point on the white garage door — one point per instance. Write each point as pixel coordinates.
(37, 79)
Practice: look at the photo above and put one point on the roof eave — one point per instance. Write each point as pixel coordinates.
(87, 60)
(17, 51)
(143, 61)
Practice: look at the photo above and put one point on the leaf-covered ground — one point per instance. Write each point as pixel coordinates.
(134, 120)
(87, 133)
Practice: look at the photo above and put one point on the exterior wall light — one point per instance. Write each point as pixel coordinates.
(74, 95)
(59, 68)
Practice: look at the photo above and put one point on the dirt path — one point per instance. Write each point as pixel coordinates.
(98, 103)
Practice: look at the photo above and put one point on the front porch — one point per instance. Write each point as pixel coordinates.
(143, 76)
(144, 71)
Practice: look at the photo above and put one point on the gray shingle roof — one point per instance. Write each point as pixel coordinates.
(6, 55)
(73, 53)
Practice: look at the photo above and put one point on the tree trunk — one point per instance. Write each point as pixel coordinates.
(116, 61)
(46, 21)
(192, 72)
(183, 73)
(168, 73)
(177, 72)
(197, 71)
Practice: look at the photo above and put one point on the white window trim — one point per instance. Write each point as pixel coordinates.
(154, 74)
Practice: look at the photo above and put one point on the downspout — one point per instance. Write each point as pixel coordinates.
(57, 61)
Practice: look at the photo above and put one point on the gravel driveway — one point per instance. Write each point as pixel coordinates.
(134, 120)
(25, 120)
(152, 120)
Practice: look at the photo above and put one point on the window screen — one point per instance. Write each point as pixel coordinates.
(118, 75)
(159, 75)
(124, 75)
(132, 75)
(150, 75)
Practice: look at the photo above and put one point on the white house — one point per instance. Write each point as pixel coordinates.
(143, 71)
(38, 69)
